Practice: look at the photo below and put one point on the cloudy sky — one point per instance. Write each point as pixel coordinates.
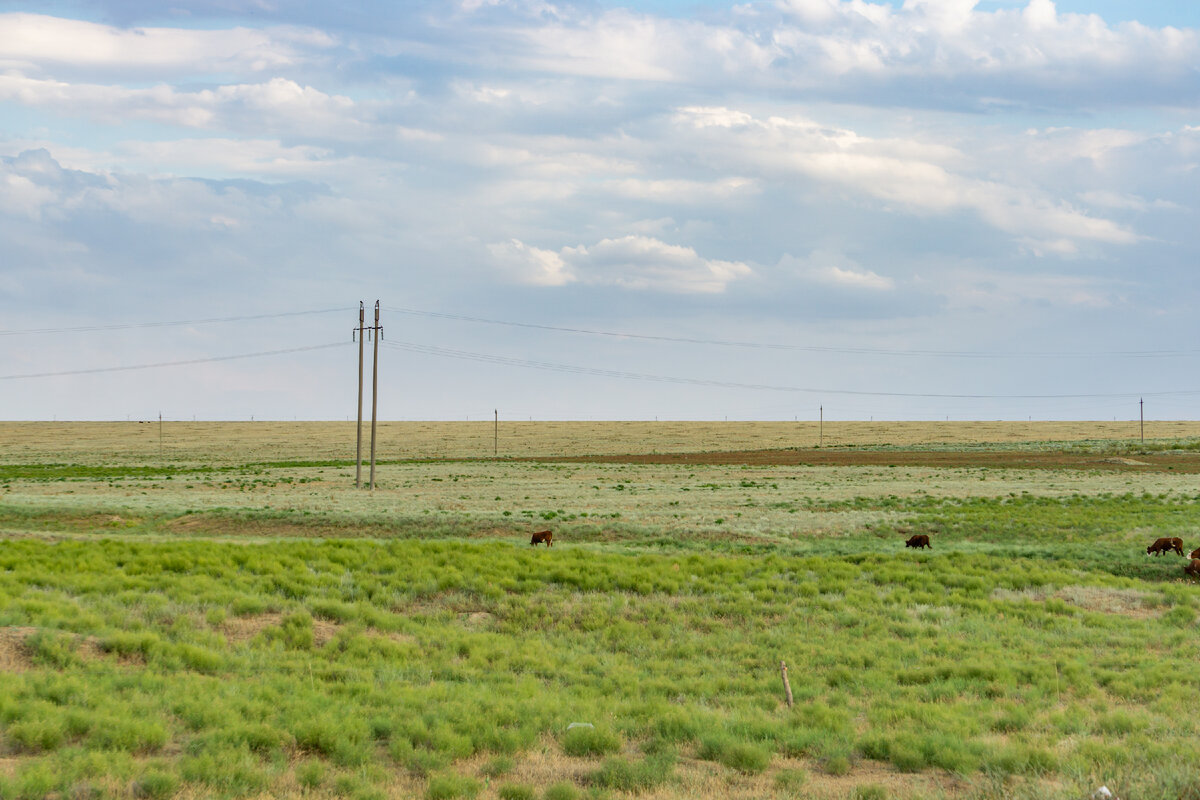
(686, 209)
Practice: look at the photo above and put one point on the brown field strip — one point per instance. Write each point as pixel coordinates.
(960, 459)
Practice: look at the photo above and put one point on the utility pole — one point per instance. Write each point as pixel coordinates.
(1142, 417)
(375, 390)
(160, 435)
(358, 453)
(496, 434)
(821, 427)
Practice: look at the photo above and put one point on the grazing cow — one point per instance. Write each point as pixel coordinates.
(1165, 544)
(543, 536)
(1193, 568)
(1195, 553)
(918, 540)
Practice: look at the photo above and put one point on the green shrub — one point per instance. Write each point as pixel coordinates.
(199, 658)
(561, 791)
(870, 791)
(741, 756)
(581, 742)
(515, 791)
(52, 649)
(450, 786)
(155, 785)
(837, 764)
(234, 771)
(624, 775)
(790, 780)
(130, 735)
(500, 765)
(37, 735)
(342, 740)
(310, 774)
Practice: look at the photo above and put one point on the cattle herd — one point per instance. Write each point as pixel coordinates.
(1164, 544)
(1168, 544)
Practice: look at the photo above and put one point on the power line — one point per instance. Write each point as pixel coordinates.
(172, 363)
(803, 348)
(132, 325)
(446, 352)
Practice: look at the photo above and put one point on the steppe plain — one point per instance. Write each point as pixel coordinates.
(213, 609)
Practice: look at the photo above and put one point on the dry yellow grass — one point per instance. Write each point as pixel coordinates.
(242, 442)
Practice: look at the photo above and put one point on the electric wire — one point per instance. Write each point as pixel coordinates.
(446, 352)
(799, 347)
(172, 323)
(174, 363)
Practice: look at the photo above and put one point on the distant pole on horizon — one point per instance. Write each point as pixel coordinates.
(160, 434)
(358, 452)
(821, 428)
(496, 433)
(1142, 417)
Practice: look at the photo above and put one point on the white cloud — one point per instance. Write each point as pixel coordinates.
(225, 156)
(685, 192)
(40, 41)
(21, 196)
(930, 50)
(1129, 202)
(857, 280)
(918, 178)
(996, 291)
(833, 268)
(531, 265)
(630, 262)
(278, 104)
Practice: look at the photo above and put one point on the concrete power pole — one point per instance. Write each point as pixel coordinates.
(375, 390)
(358, 453)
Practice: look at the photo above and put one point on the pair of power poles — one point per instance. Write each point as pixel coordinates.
(376, 333)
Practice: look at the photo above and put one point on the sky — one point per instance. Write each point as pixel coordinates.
(671, 209)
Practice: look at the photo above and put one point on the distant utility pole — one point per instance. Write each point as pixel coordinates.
(1142, 417)
(359, 333)
(375, 389)
(496, 434)
(821, 427)
(160, 435)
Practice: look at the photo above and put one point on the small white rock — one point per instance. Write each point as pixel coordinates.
(1102, 793)
(590, 725)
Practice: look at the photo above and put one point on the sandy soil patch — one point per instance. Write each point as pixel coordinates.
(237, 630)
(14, 656)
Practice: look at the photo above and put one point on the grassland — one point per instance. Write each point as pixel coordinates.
(236, 443)
(242, 622)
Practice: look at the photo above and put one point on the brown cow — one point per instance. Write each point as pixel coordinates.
(918, 540)
(1195, 553)
(543, 536)
(1193, 568)
(1165, 544)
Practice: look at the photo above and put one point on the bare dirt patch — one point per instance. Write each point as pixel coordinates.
(961, 459)
(14, 656)
(238, 630)
(1124, 602)
(1102, 599)
(705, 780)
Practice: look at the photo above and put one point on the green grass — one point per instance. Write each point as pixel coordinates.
(662, 646)
(1036, 641)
